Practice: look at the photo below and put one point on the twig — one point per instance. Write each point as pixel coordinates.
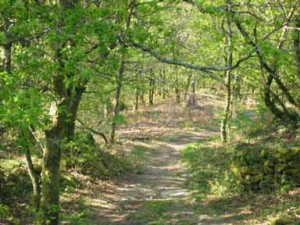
(40, 144)
(93, 131)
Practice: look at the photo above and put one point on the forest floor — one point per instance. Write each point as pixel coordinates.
(156, 194)
(159, 191)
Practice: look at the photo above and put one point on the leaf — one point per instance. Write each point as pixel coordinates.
(119, 119)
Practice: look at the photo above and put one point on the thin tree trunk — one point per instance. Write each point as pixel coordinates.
(8, 56)
(117, 99)
(270, 98)
(35, 180)
(228, 81)
(187, 87)
(227, 109)
(121, 71)
(177, 90)
(136, 103)
(151, 91)
(136, 94)
(297, 45)
(142, 98)
(164, 88)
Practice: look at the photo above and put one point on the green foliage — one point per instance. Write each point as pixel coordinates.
(263, 168)
(119, 119)
(83, 156)
(206, 171)
(156, 212)
(284, 219)
(5, 215)
(86, 157)
(9, 189)
(15, 189)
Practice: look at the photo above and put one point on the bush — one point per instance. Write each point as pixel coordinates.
(258, 168)
(15, 189)
(86, 157)
(14, 185)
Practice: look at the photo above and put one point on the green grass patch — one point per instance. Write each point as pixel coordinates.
(161, 212)
(136, 157)
(205, 168)
(218, 196)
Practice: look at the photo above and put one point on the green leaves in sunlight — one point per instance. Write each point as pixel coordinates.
(119, 119)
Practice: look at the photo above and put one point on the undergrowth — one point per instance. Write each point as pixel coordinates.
(252, 180)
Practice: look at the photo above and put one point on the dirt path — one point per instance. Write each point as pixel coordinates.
(156, 195)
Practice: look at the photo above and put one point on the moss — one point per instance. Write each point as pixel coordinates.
(283, 220)
(86, 157)
(258, 167)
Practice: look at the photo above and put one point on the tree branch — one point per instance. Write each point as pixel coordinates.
(188, 65)
(93, 131)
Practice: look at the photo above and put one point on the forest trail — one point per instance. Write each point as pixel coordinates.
(155, 195)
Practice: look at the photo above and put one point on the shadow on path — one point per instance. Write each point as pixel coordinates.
(157, 194)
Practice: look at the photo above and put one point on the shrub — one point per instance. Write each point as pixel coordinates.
(86, 157)
(258, 168)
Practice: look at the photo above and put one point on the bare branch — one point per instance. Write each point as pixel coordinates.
(38, 141)
(188, 65)
(93, 131)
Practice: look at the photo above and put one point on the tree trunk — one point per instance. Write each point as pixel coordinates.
(121, 71)
(270, 98)
(35, 180)
(165, 88)
(228, 81)
(136, 103)
(227, 109)
(64, 114)
(117, 99)
(7, 54)
(151, 90)
(177, 90)
(297, 45)
(187, 87)
(142, 97)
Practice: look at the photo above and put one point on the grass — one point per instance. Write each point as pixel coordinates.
(161, 212)
(204, 166)
(208, 163)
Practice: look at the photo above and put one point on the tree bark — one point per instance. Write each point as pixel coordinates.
(227, 109)
(127, 20)
(64, 114)
(177, 89)
(136, 102)
(297, 45)
(151, 90)
(187, 86)
(8, 57)
(50, 174)
(117, 99)
(228, 80)
(270, 98)
(35, 179)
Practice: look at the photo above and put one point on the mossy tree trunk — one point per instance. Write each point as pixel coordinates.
(63, 113)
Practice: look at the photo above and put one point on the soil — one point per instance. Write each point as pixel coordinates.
(161, 179)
